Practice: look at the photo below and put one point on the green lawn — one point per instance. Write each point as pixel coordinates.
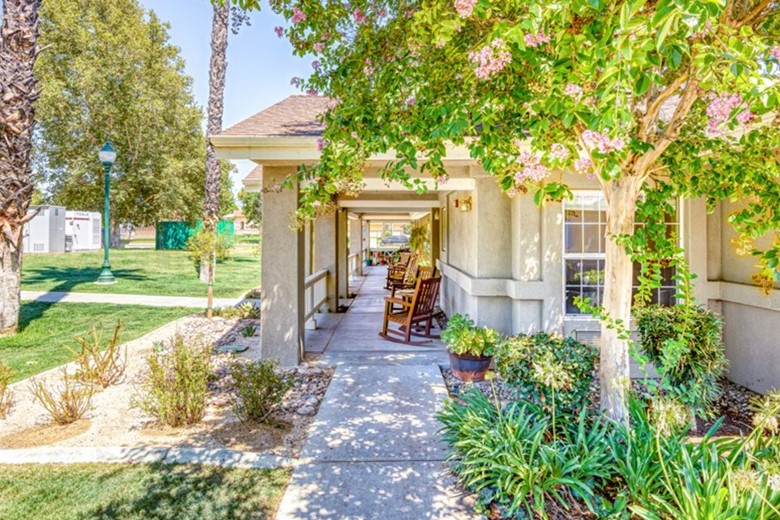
(142, 491)
(45, 329)
(139, 271)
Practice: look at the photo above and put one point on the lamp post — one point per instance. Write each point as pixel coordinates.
(107, 156)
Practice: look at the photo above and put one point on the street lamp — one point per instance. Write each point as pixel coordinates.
(107, 156)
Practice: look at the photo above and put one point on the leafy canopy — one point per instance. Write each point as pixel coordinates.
(109, 71)
(681, 94)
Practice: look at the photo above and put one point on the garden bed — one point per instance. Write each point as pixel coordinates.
(733, 405)
(113, 421)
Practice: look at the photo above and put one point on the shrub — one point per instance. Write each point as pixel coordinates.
(203, 244)
(546, 369)
(246, 310)
(512, 459)
(67, 403)
(685, 343)
(99, 366)
(259, 389)
(174, 387)
(461, 336)
(6, 397)
(248, 331)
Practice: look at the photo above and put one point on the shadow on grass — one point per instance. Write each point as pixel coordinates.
(67, 278)
(175, 491)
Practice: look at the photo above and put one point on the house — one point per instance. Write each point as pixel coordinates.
(507, 262)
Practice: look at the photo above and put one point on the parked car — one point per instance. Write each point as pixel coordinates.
(395, 240)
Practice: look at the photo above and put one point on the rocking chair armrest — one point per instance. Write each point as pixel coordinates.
(397, 301)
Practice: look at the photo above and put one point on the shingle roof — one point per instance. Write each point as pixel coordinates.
(295, 116)
(255, 175)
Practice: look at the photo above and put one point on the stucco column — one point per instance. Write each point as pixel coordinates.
(325, 255)
(282, 308)
(354, 245)
(342, 255)
(435, 235)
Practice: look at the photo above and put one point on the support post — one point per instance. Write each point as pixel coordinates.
(282, 309)
(325, 255)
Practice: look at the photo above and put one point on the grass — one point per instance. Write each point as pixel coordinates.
(142, 491)
(46, 328)
(139, 271)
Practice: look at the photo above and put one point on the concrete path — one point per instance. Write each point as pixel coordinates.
(115, 455)
(125, 299)
(373, 450)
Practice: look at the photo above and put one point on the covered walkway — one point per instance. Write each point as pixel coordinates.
(373, 450)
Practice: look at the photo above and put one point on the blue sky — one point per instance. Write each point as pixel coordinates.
(260, 64)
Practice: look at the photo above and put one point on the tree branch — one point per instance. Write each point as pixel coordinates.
(754, 14)
(655, 107)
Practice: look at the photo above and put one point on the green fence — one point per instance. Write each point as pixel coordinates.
(173, 234)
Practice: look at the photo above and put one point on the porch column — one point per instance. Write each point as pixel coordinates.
(355, 244)
(435, 232)
(342, 256)
(282, 308)
(325, 255)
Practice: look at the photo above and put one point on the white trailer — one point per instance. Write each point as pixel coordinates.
(84, 228)
(45, 233)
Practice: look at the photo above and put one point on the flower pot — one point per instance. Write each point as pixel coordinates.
(469, 368)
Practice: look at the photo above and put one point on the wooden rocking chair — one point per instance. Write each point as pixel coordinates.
(415, 317)
(397, 273)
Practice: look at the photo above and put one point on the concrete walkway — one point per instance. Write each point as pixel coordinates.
(373, 450)
(124, 299)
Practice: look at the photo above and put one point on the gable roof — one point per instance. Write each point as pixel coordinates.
(294, 116)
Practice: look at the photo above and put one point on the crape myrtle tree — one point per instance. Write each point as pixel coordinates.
(676, 96)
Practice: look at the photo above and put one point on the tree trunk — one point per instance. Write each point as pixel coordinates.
(614, 375)
(217, 70)
(18, 93)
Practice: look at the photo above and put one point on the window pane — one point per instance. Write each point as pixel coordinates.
(591, 241)
(573, 272)
(571, 293)
(573, 238)
(572, 214)
(591, 274)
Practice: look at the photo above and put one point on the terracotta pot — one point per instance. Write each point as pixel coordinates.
(469, 368)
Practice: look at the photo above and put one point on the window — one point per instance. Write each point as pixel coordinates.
(584, 237)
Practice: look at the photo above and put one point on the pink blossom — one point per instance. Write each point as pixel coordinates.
(359, 16)
(381, 12)
(559, 152)
(325, 37)
(279, 31)
(512, 192)
(491, 59)
(775, 53)
(319, 47)
(535, 40)
(465, 7)
(321, 144)
(573, 90)
(532, 168)
(720, 109)
(296, 82)
(442, 179)
(316, 64)
(583, 164)
(411, 100)
(298, 15)
(602, 142)
(312, 92)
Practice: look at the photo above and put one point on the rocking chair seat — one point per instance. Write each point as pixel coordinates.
(415, 316)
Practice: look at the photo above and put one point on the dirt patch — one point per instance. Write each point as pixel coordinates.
(251, 436)
(43, 435)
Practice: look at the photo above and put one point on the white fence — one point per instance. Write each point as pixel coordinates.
(353, 261)
(316, 292)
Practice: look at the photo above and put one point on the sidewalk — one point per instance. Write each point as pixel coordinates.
(124, 299)
(373, 450)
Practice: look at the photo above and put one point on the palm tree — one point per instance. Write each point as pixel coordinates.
(217, 70)
(18, 93)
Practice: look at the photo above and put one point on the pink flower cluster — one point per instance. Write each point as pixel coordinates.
(559, 152)
(720, 109)
(533, 169)
(573, 90)
(491, 59)
(321, 144)
(319, 47)
(583, 165)
(298, 15)
(411, 100)
(359, 16)
(279, 31)
(465, 7)
(602, 142)
(535, 40)
(775, 53)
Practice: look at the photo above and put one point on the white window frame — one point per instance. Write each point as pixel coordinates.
(595, 256)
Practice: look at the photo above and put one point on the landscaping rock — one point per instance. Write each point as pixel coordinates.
(306, 410)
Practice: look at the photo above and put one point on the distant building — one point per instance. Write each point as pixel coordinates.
(45, 233)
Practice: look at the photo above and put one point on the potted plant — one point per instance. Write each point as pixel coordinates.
(470, 347)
